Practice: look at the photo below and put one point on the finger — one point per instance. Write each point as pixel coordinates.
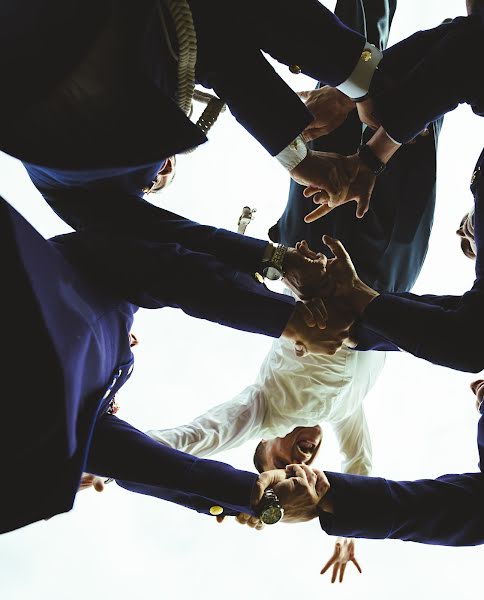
(317, 213)
(362, 207)
(336, 248)
(322, 483)
(242, 518)
(310, 474)
(321, 197)
(300, 349)
(322, 258)
(307, 315)
(342, 572)
(306, 251)
(327, 565)
(319, 312)
(98, 484)
(253, 522)
(355, 562)
(310, 190)
(335, 573)
(300, 472)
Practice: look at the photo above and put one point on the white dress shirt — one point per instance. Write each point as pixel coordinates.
(291, 392)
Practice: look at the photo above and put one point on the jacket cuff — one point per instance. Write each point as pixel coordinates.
(362, 507)
(357, 85)
(230, 488)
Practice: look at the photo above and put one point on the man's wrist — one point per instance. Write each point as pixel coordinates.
(326, 504)
(382, 145)
(360, 296)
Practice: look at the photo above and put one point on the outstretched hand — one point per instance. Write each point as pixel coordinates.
(359, 190)
(344, 552)
(327, 175)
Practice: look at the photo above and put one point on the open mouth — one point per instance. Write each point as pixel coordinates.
(306, 447)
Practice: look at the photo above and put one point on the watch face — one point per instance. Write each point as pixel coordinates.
(272, 273)
(272, 514)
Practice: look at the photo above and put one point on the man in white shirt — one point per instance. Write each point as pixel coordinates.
(284, 406)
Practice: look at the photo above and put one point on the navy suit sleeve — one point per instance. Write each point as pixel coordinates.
(304, 33)
(441, 66)
(446, 511)
(142, 465)
(445, 330)
(154, 275)
(129, 214)
(370, 340)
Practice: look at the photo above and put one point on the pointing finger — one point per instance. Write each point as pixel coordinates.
(317, 213)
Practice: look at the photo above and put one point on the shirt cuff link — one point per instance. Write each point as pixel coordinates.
(293, 154)
(358, 83)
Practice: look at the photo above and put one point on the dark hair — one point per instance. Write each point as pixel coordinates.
(258, 456)
(247, 207)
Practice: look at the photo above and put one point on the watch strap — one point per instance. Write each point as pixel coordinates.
(370, 160)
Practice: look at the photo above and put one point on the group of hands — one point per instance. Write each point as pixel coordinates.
(332, 179)
(331, 298)
(330, 294)
(303, 493)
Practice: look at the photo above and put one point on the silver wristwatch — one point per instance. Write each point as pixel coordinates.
(272, 268)
(270, 510)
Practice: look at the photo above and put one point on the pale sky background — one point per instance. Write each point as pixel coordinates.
(119, 545)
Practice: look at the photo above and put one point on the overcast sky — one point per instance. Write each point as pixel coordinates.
(119, 545)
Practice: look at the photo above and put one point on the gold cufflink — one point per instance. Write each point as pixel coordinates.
(474, 175)
(424, 132)
(366, 55)
(259, 277)
(296, 69)
(216, 510)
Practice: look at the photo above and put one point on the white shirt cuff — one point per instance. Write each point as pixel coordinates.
(358, 83)
(293, 154)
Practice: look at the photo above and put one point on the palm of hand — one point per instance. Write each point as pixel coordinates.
(340, 277)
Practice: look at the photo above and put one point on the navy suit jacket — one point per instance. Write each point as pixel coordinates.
(415, 323)
(447, 511)
(389, 245)
(68, 310)
(411, 86)
(73, 115)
